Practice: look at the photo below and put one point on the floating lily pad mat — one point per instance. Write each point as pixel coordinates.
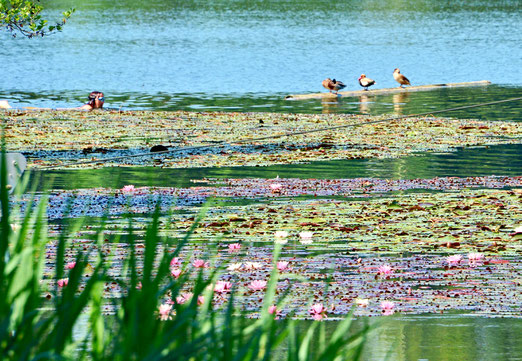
(417, 250)
(63, 138)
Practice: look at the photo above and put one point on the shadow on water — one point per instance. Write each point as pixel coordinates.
(502, 160)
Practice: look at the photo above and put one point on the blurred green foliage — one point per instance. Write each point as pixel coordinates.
(25, 17)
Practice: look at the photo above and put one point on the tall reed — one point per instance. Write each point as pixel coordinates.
(38, 318)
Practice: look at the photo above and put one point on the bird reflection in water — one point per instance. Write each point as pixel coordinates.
(399, 100)
(364, 102)
(330, 105)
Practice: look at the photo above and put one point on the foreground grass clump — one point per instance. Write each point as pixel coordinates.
(71, 318)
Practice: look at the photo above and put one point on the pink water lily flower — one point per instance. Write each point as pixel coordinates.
(201, 300)
(454, 260)
(174, 262)
(175, 272)
(305, 237)
(385, 270)
(234, 247)
(70, 265)
(475, 258)
(274, 311)
(282, 266)
(128, 188)
(200, 263)
(387, 308)
(164, 312)
(257, 285)
(276, 187)
(222, 287)
(318, 311)
(184, 297)
(63, 282)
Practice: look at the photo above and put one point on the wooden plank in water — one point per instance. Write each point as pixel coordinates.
(408, 89)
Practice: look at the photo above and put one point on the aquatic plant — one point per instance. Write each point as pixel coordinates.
(454, 260)
(388, 308)
(318, 311)
(140, 313)
(282, 266)
(280, 237)
(305, 237)
(233, 247)
(257, 285)
(165, 312)
(385, 270)
(222, 287)
(79, 137)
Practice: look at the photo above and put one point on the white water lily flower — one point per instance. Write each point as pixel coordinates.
(234, 267)
(362, 302)
(305, 237)
(280, 237)
(253, 265)
(15, 227)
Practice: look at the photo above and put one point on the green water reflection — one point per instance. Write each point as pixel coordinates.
(397, 104)
(444, 338)
(438, 338)
(503, 160)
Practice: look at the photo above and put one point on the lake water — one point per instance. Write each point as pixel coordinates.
(248, 55)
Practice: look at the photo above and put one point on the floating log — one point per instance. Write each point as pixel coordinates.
(356, 93)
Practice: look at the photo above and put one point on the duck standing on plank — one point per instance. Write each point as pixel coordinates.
(335, 85)
(365, 82)
(401, 79)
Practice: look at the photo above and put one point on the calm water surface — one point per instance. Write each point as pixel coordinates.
(447, 338)
(440, 338)
(248, 55)
(468, 162)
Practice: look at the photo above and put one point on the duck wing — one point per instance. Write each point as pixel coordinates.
(365, 82)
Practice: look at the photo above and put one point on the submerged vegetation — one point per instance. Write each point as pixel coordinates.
(215, 139)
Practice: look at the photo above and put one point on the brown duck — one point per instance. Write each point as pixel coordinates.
(332, 84)
(401, 79)
(365, 82)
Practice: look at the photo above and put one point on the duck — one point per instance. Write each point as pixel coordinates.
(365, 82)
(332, 84)
(401, 79)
